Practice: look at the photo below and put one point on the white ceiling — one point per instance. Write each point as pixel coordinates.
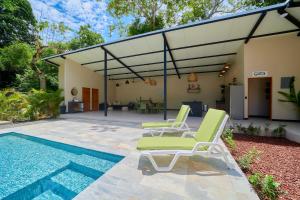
(199, 44)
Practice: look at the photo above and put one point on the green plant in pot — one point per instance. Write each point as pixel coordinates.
(292, 96)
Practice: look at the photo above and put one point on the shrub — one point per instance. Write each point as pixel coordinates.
(14, 106)
(280, 131)
(266, 186)
(44, 104)
(270, 188)
(247, 159)
(253, 130)
(255, 180)
(227, 136)
(37, 104)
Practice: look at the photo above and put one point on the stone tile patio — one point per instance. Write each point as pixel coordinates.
(134, 178)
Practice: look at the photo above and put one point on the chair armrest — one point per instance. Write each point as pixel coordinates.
(189, 133)
(199, 144)
(171, 120)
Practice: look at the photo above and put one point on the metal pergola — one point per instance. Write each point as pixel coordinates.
(201, 47)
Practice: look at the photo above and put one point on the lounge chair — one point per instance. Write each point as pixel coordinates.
(171, 125)
(202, 142)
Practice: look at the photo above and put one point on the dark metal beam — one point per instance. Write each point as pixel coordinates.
(160, 51)
(179, 60)
(157, 70)
(63, 57)
(266, 9)
(210, 43)
(165, 80)
(121, 62)
(105, 83)
(290, 18)
(52, 63)
(214, 71)
(171, 54)
(259, 20)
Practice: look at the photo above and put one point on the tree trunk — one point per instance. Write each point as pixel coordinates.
(42, 81)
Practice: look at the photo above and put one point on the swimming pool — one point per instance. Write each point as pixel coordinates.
(35, 168)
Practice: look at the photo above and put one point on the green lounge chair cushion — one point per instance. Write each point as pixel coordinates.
(156, 124)
(210, 125)
(205, 133)
(182, 114)
(179, 119)
(166, 143)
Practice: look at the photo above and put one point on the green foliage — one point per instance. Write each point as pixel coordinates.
(227, 136)
(15, 57)
(16, 106)
(138, 27)
(86, 37)
(148, 11)
(266, 186)
(248, 158)
(251, 129)
(260, 3)
(292, 96)
(280, 131)
(270, 187)
(44, 104)
(16, 22)
(255, 180)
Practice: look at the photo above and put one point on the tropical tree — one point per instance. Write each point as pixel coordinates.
(13, 59)
(138, 27)
(17, 22)
(151, 15)
(292, 96)
(85, 37)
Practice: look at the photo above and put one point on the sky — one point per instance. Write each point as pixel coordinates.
(75, 13)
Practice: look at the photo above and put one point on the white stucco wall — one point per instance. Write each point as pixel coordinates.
(71, 75)
(176, 91)
(280, 57)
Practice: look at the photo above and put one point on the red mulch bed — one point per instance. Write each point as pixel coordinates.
(279, 157)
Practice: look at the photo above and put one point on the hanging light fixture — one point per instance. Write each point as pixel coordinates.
(192, 77)
(117, 85)
(126, 82)
(223, 71)
(147, 81)
(221, 75)
(153, 82)
(227, 67)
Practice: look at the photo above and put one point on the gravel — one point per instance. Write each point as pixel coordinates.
(279, 157)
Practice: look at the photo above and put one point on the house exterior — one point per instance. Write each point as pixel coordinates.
(262, 48)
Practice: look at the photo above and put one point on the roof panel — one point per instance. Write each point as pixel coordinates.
(272, 23)
(223, 30)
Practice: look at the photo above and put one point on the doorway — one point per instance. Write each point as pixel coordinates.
(260, 97)
(86, 99)
(95, 99)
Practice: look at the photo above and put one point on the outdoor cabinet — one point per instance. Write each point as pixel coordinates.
(196, 108)
(234, 101)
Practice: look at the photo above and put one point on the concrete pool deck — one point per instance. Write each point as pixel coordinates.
(134, 178)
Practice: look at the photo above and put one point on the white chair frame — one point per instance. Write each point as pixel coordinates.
(214, 150)
(161, 130)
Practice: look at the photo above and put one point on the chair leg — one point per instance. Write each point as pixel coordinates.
(162, 169)
(224, 155)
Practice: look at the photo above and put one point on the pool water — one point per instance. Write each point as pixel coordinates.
(35, 168)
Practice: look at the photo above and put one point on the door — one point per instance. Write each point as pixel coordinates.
(95, 99)
(260, 97)
(86, 99)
